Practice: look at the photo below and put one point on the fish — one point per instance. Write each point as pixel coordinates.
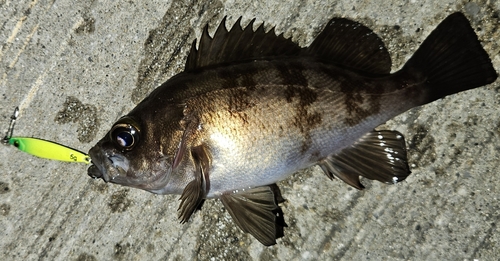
(252, 107)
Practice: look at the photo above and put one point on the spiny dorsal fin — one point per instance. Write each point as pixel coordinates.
(351, 44)
(238, 44)
(378, 155)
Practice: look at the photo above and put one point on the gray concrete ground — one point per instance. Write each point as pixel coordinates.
(74, 67)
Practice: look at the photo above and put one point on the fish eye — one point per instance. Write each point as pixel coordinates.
(125, 134)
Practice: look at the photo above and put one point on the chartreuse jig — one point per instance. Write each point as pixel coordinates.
(42, 148)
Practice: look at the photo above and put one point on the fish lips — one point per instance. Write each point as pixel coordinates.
(112, 166)
(108, 165)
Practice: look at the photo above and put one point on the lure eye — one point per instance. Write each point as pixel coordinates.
(124, 134)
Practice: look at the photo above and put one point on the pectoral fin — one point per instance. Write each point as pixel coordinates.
(256, 211)
(378, 155)
(194, 194)
(191, 200)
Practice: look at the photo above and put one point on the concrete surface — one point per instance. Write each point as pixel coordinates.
(74, 67)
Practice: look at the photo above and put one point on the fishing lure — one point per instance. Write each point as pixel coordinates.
(42, 148)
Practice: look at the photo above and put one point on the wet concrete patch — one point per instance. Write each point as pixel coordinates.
(4, 209)
(86, 257)
(218, 227)
(121, 250)
(86, 27)
(119, 201)
(421, 147)
(99, 186)
(167, 46)
(4, 187)
(83, 114)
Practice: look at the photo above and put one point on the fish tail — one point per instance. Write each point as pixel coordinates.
(451, 60)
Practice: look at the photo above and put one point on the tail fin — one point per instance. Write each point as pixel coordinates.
(452, 59)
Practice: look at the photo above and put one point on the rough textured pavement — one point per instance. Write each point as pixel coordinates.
(74, 67)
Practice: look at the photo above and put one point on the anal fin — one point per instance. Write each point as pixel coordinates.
(256, 211)
(378, 155)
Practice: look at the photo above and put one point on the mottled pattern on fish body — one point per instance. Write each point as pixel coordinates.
(281, 116)
(251, 108)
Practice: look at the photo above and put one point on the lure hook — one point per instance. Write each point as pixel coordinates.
(10, 130)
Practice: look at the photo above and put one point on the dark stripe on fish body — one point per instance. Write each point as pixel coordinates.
(227, 75)
(291, 72)
(247, 78)
(361, 97)
(355, 105)
(239, 101)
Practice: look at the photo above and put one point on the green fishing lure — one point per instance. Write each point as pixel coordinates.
(43, 148)
(48, 149)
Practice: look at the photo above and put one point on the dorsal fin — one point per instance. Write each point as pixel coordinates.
(348, 43)
(238, 44)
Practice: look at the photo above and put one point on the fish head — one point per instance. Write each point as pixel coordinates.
(137, 152)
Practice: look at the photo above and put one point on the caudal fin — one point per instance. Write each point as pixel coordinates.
(452, 59)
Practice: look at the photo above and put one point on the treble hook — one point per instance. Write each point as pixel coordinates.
(10, 130)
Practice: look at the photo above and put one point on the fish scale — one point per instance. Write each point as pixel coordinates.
(302, 132)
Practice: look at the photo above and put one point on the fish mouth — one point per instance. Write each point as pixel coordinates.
(108, 165)
(112, 166)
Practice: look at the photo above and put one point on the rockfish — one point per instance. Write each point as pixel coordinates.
(251, 108)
